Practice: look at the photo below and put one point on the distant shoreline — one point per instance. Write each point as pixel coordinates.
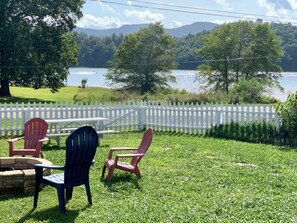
(185, 80)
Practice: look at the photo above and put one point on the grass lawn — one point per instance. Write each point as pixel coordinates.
(65, 94)
(91, 94)
(185, 179)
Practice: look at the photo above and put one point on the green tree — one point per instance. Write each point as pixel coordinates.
(143, 61)
(97, 51)
(242, 35)
(263, 55)
(218, 50)
(186, 55)
(240, 50)
(36, 48)
(288, 34)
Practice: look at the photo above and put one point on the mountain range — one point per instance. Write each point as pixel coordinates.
(182, 31)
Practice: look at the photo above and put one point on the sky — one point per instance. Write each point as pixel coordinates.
(106, 14)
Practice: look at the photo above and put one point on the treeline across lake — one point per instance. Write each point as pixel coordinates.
(97, 51)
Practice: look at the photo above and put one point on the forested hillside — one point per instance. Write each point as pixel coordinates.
(288, 34)
(97, 51)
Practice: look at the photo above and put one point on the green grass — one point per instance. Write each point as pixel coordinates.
(98, 94)
(184, 179)
(22, 94)
(65, 94)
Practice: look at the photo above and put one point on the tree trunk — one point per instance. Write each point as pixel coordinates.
(4, 90)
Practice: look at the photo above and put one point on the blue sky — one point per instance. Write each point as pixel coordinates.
(105, 14)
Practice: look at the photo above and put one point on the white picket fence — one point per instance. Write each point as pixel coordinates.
(129, 116)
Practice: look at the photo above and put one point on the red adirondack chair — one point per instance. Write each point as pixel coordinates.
(135, 157)
(35, 135)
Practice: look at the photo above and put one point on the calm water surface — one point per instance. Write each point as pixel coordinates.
(185, 80)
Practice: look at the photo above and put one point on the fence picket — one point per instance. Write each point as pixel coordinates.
(253, 113)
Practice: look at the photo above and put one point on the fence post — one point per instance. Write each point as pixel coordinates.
(26, 115)
(218, 118)
(100, 114)
(141, 116)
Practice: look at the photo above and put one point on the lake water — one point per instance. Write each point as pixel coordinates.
(184, 80)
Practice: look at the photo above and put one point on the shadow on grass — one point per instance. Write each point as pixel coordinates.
(15, 196)
(168, 133)
(119, 182)
(50, 147)
(287, 148)
(51, 215)
(21, 100)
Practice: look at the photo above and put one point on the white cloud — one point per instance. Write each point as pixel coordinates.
(279, 9)
(106, 7)
(92, 22)
(144, 16)
(220, 22)
(269, 6)
(224, 4)
(293, 4)
(175, 24)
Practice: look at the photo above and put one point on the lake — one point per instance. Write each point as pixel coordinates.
(185, 80)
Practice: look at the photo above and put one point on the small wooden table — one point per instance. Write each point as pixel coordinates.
(64, 127)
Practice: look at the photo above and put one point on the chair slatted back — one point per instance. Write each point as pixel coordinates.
(35, 129)
(144, 145)
(81, 147)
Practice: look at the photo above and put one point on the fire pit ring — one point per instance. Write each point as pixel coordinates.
(17, 174)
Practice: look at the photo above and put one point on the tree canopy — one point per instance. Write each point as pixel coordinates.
(288, 34)
(142, 63)
(97, 51)
(36, 48)
(240, 50)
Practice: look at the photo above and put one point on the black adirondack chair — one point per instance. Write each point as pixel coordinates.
(81, 147)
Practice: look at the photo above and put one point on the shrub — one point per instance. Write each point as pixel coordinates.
(287, 113)
(249, 91)
(256, 132)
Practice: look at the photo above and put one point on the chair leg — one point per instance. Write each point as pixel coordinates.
(69, 192)
(36, 193)
(137, 172)
(110, 174)
(88, 190)
(38, 177)
(61, 198)
(103, 171)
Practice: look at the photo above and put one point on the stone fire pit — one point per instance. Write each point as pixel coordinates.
(17, 174)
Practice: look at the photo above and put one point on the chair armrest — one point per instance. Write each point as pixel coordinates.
(15, 139)
(39, 166)
(127, 156)
(118, 149)
(39, 170)
(43, 140)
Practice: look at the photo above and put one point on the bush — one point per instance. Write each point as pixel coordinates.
(256, 132)
(249, 91)
(287, 113)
